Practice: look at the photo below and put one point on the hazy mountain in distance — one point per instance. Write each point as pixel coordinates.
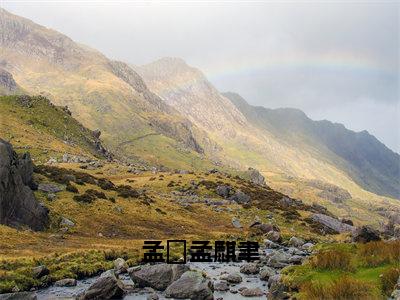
(100, 93)
(369, 162)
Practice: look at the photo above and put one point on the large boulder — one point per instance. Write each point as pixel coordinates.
(107, 286)
(18, 205)
(159, 276)
(332, 224)
(249, 268)
(120, 265)
(365, 234)
(191, 285)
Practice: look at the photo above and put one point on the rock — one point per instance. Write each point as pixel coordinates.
(158, 276)
(66, 222)
(50, 187)
(365, 234)
(233, 278)
(296, 259)
(271, 245)
(18, 296)
(96, 133)
(273, 279)
(396, 293)
(263, 228)
(223, 191)
(152, 297)
(249, 268)
(332, 224)
(221, 285)
(256, 222)
(296, 242)
(274, 236)
(240, 197)
(252, 292)
(256, 177)
(278, 259)
(40, 271)
(278, 291)
(307, 246)
(236, 223)
(266, 273)
(107, 286)
(191, 285)
(66, 282)
(51, 197)
(17, 201)
(347, 221)
(120, 266)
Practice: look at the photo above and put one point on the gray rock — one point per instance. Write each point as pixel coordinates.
(271, 244)
(240, 197)
(18, 205)
(307, 246)
(18, 296)
(266, 273)
(66, 282)
(296, 259)
(296, 242)
(365, 234)
(278, 291)
(158, 276)
(40, 271)
(236, 223)
(396, 293)
(66, 222)
(278, 259)
(256, 177)
(51, 187)
(249, 268)
(274, 236)
(221, 285)
(223, 191)
(331, 223)
(120, 266)
(191, 285)
(232, 278)
(152, 297)
(273, 279)
(107, 286)
(251, 292)
(51, 197)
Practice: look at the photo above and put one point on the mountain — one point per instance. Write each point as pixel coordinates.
(366, 160)
(101, 93)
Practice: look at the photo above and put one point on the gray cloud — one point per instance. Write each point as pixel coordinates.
(337, 61)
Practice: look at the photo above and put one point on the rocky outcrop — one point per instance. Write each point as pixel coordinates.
(8, 85)
(365, 234)
(331, 224)
(18, 205)
(256, 177)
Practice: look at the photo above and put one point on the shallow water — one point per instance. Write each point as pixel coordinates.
(214, 271)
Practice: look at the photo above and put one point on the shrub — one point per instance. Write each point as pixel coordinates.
(71, 188)
(343, 288)
(332, 259)
(388, 280)
(377, 253)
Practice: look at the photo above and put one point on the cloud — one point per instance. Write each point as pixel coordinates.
(322, 57)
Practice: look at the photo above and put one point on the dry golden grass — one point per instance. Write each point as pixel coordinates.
(378, 253)
(343, 288)
(332, 259)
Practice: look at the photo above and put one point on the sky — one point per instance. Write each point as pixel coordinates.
(334, 60)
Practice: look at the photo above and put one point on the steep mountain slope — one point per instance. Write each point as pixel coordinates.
(369, 162)
(8, 86)
(45, 130)
(100, 93)
(289, 160)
